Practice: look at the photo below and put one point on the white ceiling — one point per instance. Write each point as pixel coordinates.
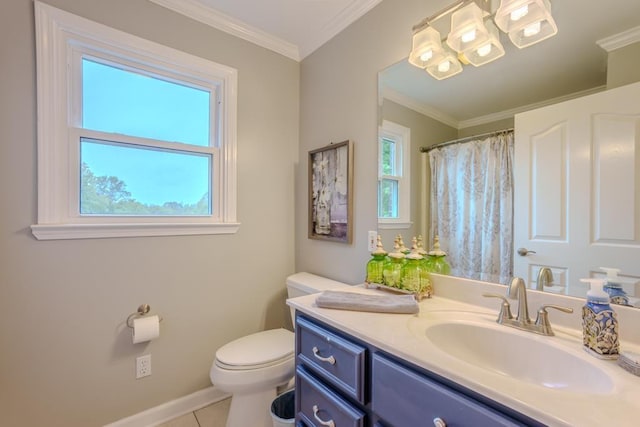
(294, 28)
(569, 63)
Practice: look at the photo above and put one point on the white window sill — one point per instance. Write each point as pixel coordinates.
(394, 225)
(99, 231)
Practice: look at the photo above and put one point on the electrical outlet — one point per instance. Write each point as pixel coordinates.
(372, 241)
(143, 366)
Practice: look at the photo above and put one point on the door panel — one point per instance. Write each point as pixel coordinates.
(549, 181)
(577, 189)
(615, 179)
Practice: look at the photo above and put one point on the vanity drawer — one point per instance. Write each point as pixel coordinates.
(422, 399)
(337, 360)
(318, 405)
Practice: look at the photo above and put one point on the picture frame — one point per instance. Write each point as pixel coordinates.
(331, 192)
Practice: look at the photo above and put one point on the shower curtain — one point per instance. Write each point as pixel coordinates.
(472, 206)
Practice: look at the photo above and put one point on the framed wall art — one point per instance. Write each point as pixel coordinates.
(331, 192)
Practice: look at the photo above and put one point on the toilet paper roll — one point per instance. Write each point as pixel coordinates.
(145, 329)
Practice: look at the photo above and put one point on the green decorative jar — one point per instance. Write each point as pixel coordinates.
(425, 255)
(415, 277)
(375, 266)
(401, 247)
(392, 270)
(437, 262)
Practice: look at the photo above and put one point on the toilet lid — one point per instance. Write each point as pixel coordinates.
(256, 350)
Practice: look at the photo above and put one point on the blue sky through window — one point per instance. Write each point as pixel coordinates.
(124, 102)
(119, 101)
(152, 176)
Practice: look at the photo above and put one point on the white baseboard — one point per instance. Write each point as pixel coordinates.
(172, 409)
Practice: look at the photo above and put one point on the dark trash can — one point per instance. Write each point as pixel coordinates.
(283, 409)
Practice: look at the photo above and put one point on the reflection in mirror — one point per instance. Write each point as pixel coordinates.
(471, 198)
(488, 98)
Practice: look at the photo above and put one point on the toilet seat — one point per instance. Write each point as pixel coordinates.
(257, 351)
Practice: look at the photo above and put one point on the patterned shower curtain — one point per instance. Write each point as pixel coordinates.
(472, 206)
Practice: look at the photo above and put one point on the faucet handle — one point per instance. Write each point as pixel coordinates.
(505, 308)
(542, 321)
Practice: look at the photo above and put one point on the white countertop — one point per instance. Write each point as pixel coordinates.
(400, 335)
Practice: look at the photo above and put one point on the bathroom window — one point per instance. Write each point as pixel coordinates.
(393, 175)
(134, 138)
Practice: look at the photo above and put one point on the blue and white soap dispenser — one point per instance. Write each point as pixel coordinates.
(613, 286)
(599, 323)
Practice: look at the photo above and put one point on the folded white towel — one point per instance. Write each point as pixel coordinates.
(405, 304)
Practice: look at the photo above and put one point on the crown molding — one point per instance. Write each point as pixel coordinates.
(355, 10)
(418, 107)
(436, 114)
(218, 20)
(619, 40)
(481, 120)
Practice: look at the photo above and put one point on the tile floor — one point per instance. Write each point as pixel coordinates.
(214, 415)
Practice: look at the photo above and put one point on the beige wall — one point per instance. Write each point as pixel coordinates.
(425, 132)
(623, 66)
(338, 87)
(486, 127)
(66, 358)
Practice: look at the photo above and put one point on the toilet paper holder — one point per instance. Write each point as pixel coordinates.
(142, 310)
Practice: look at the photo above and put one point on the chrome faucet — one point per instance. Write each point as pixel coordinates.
(545, 278)
(518, 290)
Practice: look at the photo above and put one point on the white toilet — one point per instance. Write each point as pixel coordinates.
(252, 368)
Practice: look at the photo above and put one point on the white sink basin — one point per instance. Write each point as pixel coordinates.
(520, 355)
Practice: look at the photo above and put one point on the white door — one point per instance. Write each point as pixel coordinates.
(577, 189)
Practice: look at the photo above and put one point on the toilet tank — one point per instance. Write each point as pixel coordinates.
(306, 283)
(300, 284)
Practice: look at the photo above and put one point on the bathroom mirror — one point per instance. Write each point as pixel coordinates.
(568, 65)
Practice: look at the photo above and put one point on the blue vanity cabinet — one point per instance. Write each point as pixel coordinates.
(330, 377)
(404, 397)
(337, 360)
(342, 381)
(319, 405)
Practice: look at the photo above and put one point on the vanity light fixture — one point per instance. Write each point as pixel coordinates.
(468, 31)
(526, 21)
(490, 50)
(429, 54)
(447, 65)
(473, 35)
(427, 48)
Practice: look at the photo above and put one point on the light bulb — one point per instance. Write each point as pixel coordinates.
(484, 50)
(444, 66)
(469, 36)
(532, 30)
(519, 12)
(426, 56)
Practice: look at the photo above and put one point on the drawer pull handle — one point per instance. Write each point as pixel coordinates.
(439, 422)
(329, 423)
(329, 359)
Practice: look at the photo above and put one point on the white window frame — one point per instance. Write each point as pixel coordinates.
(402, 137)
(62, 39)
